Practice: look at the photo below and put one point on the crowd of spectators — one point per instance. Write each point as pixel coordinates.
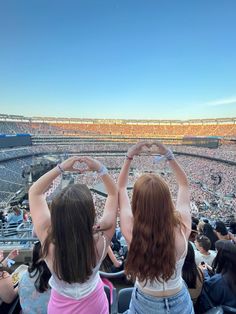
(212, 200)
(119, 128)
(10, 127)
(147, 130)
(223, 152)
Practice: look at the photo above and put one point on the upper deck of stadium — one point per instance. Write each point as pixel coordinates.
(11, 124)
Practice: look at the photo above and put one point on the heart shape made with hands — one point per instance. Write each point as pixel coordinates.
(80, 166)
(152, 147)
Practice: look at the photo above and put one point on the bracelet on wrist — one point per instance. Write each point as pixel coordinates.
(169, 155)
(102, 171)
(59, 167)
(128, 157)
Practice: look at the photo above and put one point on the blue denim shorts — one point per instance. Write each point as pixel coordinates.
(141, 303)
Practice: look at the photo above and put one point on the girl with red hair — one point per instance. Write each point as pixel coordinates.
(157, 234)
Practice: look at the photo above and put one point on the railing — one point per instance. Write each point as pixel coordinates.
(21, 234)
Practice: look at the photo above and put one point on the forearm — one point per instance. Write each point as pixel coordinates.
(108, 220)
(43, 183)
(124, 174)
(113, 257)
(4, 262)
(179, 173)
(110, 185)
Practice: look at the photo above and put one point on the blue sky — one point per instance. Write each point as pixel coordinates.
(153, 59)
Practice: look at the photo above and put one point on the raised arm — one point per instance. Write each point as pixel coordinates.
(126, 216)
(183, 196)
(37, 199)
(108, 221)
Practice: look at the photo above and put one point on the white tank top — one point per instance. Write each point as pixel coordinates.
(174, 282)
(78, 290)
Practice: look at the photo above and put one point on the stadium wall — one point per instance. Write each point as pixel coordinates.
(10, 141)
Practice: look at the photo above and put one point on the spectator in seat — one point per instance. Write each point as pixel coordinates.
(200, 226)
(232, 227)
(111, 263)
(71, 248)
(156, 233)
(222, 232)
(34, 290)
(203, 252)
(209, 232)
(3, 219)
(16, 217)
(221, 288)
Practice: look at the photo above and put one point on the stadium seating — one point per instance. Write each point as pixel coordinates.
(126, 128)
(112, 299)
(124, 297)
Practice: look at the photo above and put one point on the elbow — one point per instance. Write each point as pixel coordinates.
(31, 190)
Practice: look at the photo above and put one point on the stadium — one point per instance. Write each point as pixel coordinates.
(30, 146)
(28, 143)
(118, 157)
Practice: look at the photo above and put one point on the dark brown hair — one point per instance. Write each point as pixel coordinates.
(39, 270)
(225, 262)
(152, 253)
(71, 232)
(190, 271)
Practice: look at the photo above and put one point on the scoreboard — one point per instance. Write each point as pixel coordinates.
(202, 141)
(9, 141)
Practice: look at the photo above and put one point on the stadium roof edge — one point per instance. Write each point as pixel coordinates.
(6, 117)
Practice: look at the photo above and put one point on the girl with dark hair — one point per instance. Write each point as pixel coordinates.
(71, 248)
(209, 232)
(221, 288)
(34, 290)
(156, 232)
(192, 274)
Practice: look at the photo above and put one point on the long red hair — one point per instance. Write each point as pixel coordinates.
(152, 253)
